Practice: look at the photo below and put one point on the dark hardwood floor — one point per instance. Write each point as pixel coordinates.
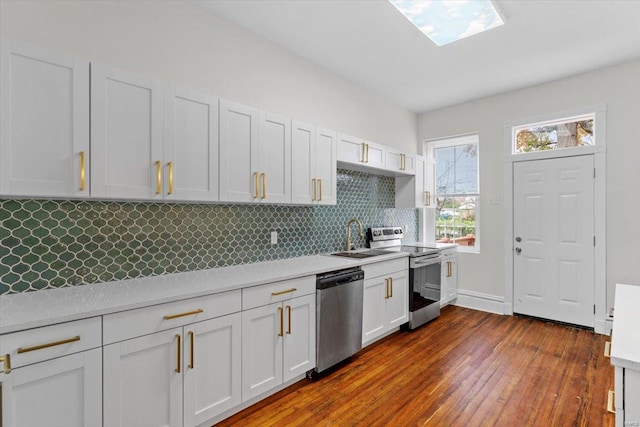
(466, 368)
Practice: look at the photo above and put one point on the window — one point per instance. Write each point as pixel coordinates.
(566, 133)
(457, 190)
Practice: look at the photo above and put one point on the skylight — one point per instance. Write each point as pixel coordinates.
(445, 21)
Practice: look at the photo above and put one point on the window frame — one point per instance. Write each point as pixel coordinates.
(430, 146)
(550, 122)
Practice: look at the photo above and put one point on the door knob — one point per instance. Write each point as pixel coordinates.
(518, 250)
(518, 239)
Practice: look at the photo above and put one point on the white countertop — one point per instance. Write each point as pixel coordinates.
(434, 245)
(625, 342)
(34, 309)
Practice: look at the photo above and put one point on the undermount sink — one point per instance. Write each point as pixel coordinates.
(364, 254)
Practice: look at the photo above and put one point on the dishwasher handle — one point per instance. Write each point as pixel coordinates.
(337, 278)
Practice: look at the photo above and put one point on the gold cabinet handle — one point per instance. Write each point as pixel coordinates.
(170, 178)
(187, 313)
(390, 287)
(367, 151)
(256, 185)
(401, 162)
(47, 345)
(320, 185)
(607, 349)
(6, 363)
(158, 177)
(611, 402)
(281, 333)
(82, 172)
(192, 342)
(178, 352)
(264, 185)
(289, 317)
(286, 291)
(313, 183)
(386, 290)
(427, 198)
(363, 145)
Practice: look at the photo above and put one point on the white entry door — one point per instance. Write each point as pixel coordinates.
(553, 224)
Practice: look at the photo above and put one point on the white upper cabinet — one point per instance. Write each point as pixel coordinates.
(126, 135)
(356, 150)
(274, 136)
(313, 166)
(400, 162)
(44, 122)
(190, 169)
(238, 153)
(325, 155)
(417, 191)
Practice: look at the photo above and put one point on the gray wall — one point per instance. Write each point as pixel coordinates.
(618, 87)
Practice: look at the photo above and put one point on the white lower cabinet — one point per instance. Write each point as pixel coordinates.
(278, 339)
(385, 298)
(56, 378)
(449, 276)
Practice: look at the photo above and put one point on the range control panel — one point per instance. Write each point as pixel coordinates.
(385, 233)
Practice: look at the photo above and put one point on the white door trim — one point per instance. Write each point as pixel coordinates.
(600, 157)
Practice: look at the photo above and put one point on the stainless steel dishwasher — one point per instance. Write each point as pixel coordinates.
(338, 316)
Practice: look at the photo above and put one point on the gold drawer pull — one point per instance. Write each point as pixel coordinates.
(289, 325)
(286, 291)
(610, 402)
(607, 349)
(188, 313)
(6, 362)
(192, 342)
(281, 314)
(51, 344)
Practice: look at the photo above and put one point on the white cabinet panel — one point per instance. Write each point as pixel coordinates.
(350, 149)
(274, 137)
(44, 122)
(212, 381)
(303, 182)
(400, 162)
(143, 381)
(373, 313)
(190, 146)
(262, 333)
(299, 353)
(417, 191)
(126, 135)
(375, 155)
(326, 160)
(238, 152)
(449, 277)
(397, 300)
(65, 391)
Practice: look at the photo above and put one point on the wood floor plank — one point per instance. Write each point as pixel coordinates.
(466, 368)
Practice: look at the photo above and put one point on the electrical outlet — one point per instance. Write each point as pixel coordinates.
(274, 237)
(495, 200)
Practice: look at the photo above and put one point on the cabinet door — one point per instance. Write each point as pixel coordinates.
(44, 122)
(275, 158)
(212, 359)
(449, 280)
(410, 189)
(325, 154)
(262, 333)
(190, 167)
(299, 353)
(350, 149)
(375, 155)
(238, 153)
(394, 160)
(143, 381)
(303, 138)
(126, 135)
(373, 309)
(428, 184)
(66, 391)
(397, 301)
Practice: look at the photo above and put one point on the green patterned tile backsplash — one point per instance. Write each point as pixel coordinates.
(49, 244)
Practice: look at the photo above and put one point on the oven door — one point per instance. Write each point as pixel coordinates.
(424, 281)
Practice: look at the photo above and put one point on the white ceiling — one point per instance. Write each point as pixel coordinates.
(372, 44)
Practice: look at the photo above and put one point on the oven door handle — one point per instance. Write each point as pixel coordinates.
(436, 260)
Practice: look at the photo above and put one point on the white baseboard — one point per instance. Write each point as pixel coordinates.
(480, 301)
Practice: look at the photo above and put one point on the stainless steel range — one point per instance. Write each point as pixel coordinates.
(424, 273)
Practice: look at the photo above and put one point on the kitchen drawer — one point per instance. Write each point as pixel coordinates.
(134, 323)
(277, 291)
(448, 254)
(48, 342)
(385, 267)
